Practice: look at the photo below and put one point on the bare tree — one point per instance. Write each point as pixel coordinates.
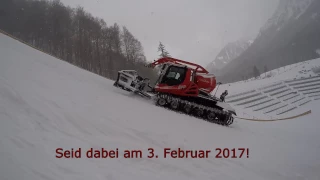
(132, 47)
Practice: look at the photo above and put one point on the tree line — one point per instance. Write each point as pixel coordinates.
(74, 35)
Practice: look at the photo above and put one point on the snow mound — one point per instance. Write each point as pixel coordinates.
(46, 104)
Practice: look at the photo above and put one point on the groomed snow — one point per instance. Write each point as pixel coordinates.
(47, 104)
(294, 71)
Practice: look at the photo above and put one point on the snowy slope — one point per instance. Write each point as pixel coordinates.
(47, 104)
(287, 10)
(279, 93)
(299, 70)
(228, 53)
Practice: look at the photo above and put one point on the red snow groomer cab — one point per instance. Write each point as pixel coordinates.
(183, 78)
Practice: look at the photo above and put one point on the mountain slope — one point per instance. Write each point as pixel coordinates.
(287, 10)
(290, 36)
(228, 53)
(47, 104)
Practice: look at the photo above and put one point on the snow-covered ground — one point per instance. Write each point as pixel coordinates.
(290, 72)
(279, 93)
(47, 104)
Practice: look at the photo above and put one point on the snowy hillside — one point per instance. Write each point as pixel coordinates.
(299, 70)
(228, 53)
(47, 104)
(277, 93)
(287, 10)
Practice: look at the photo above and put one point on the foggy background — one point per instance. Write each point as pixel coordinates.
(190, 30)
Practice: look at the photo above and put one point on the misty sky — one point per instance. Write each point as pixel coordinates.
(193, 30)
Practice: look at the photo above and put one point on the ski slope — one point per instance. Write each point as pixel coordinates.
(47, 104)
(294, 71)
(284, 92)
